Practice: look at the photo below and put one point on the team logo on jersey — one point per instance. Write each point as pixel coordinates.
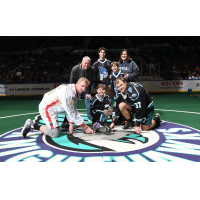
(104, 72)
(133, 95)
(130, 90)
(73, 102)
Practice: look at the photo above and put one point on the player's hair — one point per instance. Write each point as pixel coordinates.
(114, 63)
(84, 79)
(119, 79)
(101, 86)
(102, 48)
(128, 57)
(86, 57)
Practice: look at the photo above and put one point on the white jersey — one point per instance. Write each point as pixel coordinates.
(61, 99)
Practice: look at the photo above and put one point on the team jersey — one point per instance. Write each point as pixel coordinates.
(137, 97)
(100, 104)
(102, 71)
(114, 76)
(63, 99)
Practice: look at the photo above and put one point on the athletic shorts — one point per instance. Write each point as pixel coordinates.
(146, 120)
(98, 115)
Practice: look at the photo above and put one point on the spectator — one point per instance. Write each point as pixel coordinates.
(128, 66)
(21, 79)
(48, 78)
(8, 80)
(26, 80)
(102, 70)
(191, 76)
(114, 75)
(179, 77)
(1, 80)
(57, 75)
(18, 73)
(42, 80)
(84, 69)
(197, 77)
(65, 76)
(184, 74)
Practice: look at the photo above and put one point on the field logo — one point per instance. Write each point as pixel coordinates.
(169, 143)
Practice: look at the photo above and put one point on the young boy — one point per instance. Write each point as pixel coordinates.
(100, 105)
(114, 75)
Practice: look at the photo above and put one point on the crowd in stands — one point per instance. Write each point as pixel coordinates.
(51, 66)
(109, 42)
(179, 60)
(14, 43)
(76, 41)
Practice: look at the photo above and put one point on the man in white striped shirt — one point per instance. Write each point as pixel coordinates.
(61, 99)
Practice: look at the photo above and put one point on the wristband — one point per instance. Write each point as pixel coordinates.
(114, 120)
(86, 128)
(137, 124)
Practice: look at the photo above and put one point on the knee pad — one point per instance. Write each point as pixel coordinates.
(52, 132)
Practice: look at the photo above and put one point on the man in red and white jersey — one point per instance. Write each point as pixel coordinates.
(61, 99)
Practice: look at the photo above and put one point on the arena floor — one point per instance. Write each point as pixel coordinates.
(176, 140)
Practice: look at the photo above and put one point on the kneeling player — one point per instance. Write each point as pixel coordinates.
(61, 99)
(132, 96)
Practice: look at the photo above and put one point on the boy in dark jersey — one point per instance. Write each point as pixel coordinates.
(100, 105)
(114, 75)
(102, 70)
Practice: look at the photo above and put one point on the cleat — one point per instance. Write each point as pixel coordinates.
(27, 127)
(157, 119)
(98, 129)
(108, 131)
(129, 125)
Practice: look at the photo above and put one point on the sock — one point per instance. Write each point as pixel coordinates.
(36, 126)
(129, 120)
(156, 119)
